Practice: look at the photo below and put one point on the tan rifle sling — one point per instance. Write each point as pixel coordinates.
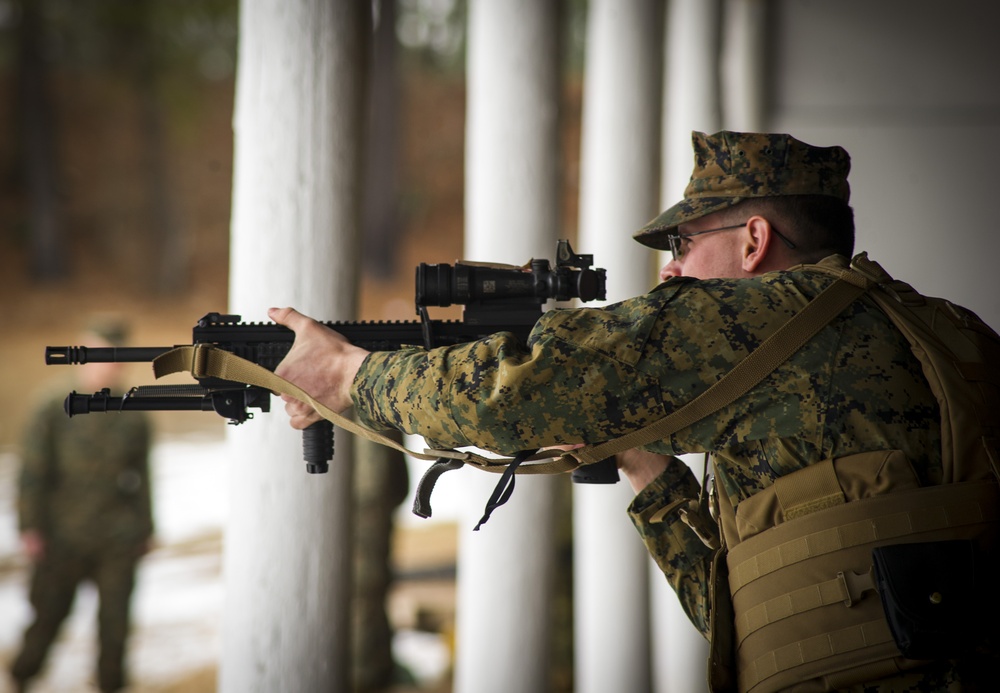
(205, 360)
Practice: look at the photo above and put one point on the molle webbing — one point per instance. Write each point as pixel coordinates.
(803, 596)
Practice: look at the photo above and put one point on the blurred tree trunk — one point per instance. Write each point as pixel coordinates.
(144, 57)
(381, 482)
(38, 150)
(168, 252)
(381, 217)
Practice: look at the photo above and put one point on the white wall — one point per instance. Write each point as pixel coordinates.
(909, 88)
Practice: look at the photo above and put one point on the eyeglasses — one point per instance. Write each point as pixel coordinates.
(677, 249)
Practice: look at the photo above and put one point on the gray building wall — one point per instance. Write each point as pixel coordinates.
(911, 89)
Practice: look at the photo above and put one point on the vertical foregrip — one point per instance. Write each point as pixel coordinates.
(317, 447)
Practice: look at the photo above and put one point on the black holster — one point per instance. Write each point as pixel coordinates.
(930, 592)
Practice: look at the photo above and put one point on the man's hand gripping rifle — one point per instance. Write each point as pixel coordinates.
(494, 299)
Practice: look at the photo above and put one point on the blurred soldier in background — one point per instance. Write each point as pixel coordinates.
(85, 514)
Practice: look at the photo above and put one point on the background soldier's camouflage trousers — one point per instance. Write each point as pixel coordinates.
(53, 588)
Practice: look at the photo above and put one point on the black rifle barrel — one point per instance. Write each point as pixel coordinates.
(75, 355)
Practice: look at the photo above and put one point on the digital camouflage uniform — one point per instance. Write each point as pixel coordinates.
(85, 487)
(593, 374)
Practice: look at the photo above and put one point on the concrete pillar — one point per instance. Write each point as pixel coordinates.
(512, 213)
(619, 176)
(680, 654)
(298, 133)
(692, 94)
(744, 77)
(692, 103)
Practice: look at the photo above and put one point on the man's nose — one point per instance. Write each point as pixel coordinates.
(671, 269)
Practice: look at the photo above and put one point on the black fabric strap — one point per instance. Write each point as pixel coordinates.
(504, 487)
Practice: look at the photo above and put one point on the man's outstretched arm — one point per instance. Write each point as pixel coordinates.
(321, 362)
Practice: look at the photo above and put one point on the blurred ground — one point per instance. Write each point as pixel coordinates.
(179, 593)
(179, 596)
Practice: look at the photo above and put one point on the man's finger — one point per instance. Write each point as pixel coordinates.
(301, 415)
(289, 317)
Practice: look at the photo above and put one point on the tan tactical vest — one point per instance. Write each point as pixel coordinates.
(805, 614)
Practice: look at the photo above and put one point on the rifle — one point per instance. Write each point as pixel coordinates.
(495, 298)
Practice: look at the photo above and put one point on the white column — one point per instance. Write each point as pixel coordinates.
(692, 96)
(743, 65)
(680, 652)
(297, 125)
(692, 103)
(618, 194)
(512, 196)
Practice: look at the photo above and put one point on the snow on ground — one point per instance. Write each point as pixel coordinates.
(177, 605)
(178, 599)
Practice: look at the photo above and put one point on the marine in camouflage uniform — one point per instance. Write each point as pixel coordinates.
(594, 374)
(85, 493)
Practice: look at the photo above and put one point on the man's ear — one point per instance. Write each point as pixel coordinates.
(757, 243)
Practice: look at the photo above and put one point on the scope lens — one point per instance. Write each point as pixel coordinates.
(433, 285)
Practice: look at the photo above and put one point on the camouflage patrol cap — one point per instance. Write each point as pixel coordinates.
(730, 167)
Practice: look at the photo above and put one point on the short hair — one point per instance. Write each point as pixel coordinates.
(818, 225)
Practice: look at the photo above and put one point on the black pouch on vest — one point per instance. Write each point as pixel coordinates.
(928, 593)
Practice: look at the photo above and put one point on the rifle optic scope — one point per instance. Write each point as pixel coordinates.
(446, 285)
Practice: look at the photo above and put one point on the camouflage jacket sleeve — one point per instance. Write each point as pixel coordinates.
(592, 374)
(682, 556)
(580, 378)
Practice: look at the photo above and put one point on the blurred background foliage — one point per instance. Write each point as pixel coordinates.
(128, 37)
(116, 162)
(139, 78)
(78, 73)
